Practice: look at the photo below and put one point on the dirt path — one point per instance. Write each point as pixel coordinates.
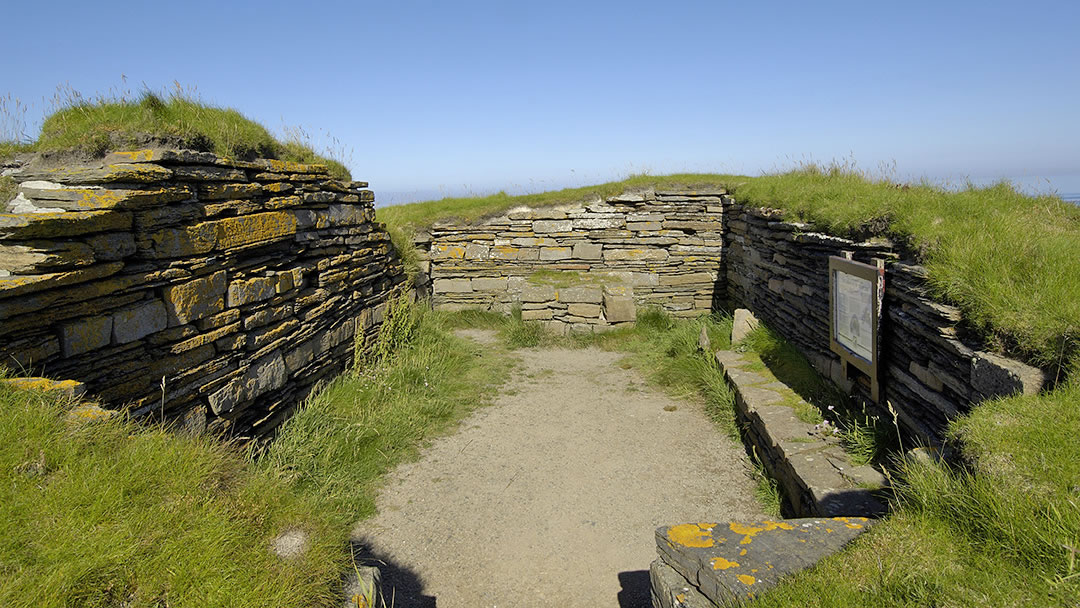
(550, 497)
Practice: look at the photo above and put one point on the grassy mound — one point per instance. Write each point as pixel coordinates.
(93, 128)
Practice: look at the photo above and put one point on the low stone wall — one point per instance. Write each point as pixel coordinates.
(191, 285)
(584, 266)
(931, 371)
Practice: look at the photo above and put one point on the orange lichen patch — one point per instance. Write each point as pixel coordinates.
(749, 531)
(829, 530)
(743, 552)
(680, 597)
(746, 579)
(719, 563)
(692, 535)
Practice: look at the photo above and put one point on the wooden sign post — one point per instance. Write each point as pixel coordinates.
(856, 291)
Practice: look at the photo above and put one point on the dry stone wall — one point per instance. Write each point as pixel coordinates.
(190, 285)
(584, 267)
(931, 370)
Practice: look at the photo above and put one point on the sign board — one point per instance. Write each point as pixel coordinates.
(855, 295)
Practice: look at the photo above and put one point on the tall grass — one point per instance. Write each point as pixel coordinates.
(420, 379)
(109, 513)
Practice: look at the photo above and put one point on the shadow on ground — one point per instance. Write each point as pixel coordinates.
(401, 586)
(635, 592)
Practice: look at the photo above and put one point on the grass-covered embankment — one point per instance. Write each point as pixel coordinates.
(115, 513)
(95, 127)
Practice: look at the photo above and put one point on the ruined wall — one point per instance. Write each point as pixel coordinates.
(213, 289)
(586, 266)
(930, 371)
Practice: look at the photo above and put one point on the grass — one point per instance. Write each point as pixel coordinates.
(362, 424)
(109, 513)
(997, 254)
(120, 122)
(1002, 531)
(114, 513)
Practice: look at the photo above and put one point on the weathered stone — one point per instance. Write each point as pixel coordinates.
(555, 253)
(671, 590)
(363, 588)
(60, 225)
(112, 246)
(537, 315)
(137, 322)
(259, 289)
(546, 226)
(743, 323)
(635, 255)
(195, 299)
(442, 251)
(451, 286)
(30, 256)
(96, 198)
(67, 389)
(477, 251)
(537, 293)
(142, 173)
(210, 192)
(584, 310)
(736, 561)
(687, 279)
(236, 232)
(926, 377)
(588, 251)
(644, 226)
(13, 286)
(20, 205)
(996, 376)
(619, 308)
(85, 335)
(489, 284)
(265, 374)
(597, 223)
(588, 295)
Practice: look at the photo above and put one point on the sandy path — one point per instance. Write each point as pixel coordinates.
(550, 497)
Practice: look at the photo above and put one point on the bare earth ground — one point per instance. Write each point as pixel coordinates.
(550, 497)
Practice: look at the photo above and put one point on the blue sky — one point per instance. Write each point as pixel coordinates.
(444, 98)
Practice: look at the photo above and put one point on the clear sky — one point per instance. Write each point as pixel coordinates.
(452, 97)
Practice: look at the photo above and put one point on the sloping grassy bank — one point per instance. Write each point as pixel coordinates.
(113, 513)
(94, 127)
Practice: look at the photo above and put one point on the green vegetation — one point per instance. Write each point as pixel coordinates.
(108, 513)
(420, 380)
(110, 123)
(999, 255)
(1005, 532)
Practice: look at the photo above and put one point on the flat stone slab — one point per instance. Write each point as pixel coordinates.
(817, 477)
(736, 561)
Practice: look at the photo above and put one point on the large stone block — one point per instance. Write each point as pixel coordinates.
(85, 335)
(26, 257)
(547, 226)
(743, 323)
(264, 375)
(537, 293)
(635, 255)
(477, 251)
(451, 286)
(62, 224)
(589, 311)
(195, 299)
(236, 232)
(588, 251)
(489, 284)
(588, 295)
(137, 322)
(994, 376)
(555, 253)
(687, 279)
(252, 290)
(618, 307)
(541, 314)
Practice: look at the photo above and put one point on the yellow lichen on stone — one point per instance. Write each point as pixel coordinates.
(692, 535)
(89, 411)
(746, 579)
(849, 524)
(719, 563)
(749, 531)
(442, 250)
(135, 156)
(236, 232)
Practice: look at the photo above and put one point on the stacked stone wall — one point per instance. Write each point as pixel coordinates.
(584, 267)
(189, 285)
(931, 369)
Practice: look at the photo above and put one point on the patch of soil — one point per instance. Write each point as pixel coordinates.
(550, 497)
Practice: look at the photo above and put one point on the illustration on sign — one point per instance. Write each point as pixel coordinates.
(854, 314)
